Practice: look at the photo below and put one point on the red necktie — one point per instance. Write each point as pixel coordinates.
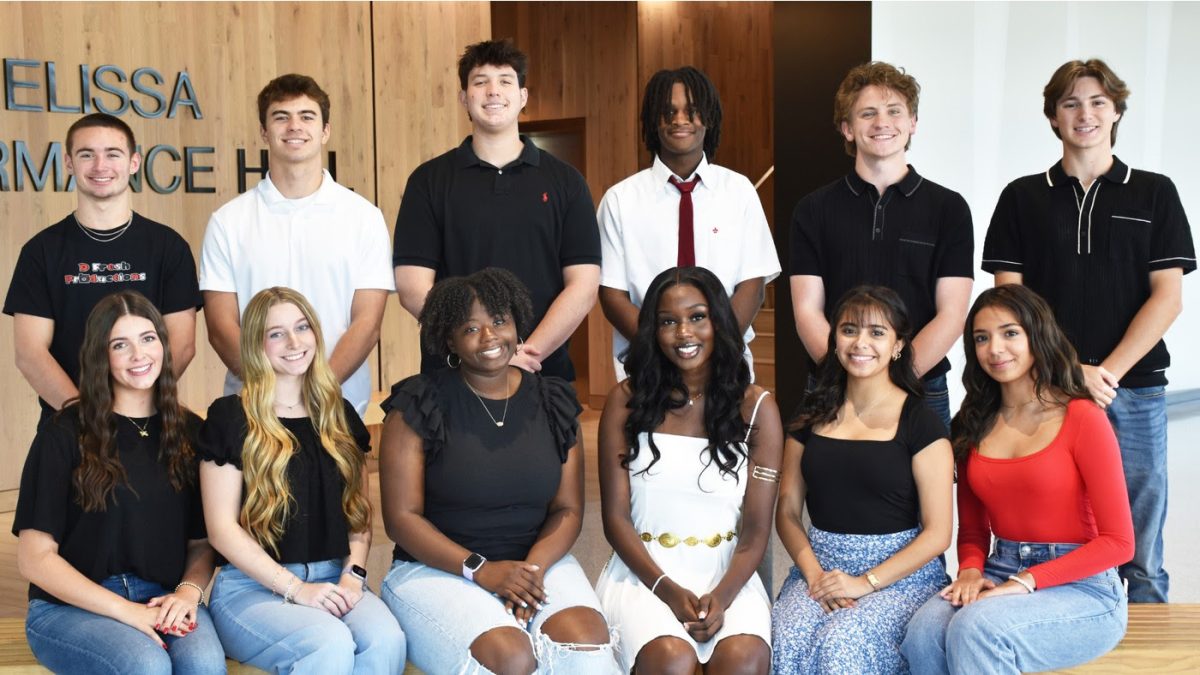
(687, 243)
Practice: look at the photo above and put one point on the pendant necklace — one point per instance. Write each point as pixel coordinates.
(507, 396)
(143, 431)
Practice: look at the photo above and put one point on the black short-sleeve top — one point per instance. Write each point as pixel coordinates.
(146, 524)
(488, 487)
(867, 487)
(316, 528)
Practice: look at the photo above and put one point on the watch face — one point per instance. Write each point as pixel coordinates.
(358, 571)
(474, 561)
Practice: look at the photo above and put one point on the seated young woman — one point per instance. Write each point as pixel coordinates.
(109, 523)
(871, 465)
(284, 480)
(689, 459)
(481, 479)
(1039, 468)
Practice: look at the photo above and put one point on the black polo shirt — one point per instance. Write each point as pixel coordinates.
(907, 239)
(534, 217)
(1089, 253)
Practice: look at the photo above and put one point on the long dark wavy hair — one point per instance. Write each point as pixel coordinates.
(1057, 377)
(656, 385)
(859, 305)
(100, 470)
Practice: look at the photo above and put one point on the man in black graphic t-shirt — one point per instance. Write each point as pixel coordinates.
(101, 248)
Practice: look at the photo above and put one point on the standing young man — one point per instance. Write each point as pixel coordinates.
(884, 224)
(101, 248)
(299, 228)
(498, 201)
(1107, 246)
(682, 211)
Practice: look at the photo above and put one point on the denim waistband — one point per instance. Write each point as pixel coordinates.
(1032, 551)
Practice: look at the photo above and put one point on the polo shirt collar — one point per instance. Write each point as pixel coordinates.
(1119, 173)
(271, 194)
(662, 175)
(464, 154)
(907, 185)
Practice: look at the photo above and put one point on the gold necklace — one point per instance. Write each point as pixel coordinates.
(143, 431)
(692, 399)
(507, 396)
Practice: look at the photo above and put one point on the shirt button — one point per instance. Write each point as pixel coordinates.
(879, 207)
(500, 171)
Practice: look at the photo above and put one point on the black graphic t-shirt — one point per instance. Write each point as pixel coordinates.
(62, 274)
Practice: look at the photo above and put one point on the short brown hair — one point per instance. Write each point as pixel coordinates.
(1062, 82)
(879, 74)
(102, 120)
(288, 87)
(492, 53)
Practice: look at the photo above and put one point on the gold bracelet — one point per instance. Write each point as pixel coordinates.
(195, 586)
(765, 474)
(287, 596)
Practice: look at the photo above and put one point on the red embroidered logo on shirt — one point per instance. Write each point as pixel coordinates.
(545, 197)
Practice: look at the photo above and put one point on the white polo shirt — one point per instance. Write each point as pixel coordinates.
(639, 233)
(326, 245)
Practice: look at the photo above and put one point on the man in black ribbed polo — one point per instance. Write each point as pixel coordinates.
(498, 200)
(1107, 246)
(884, 224)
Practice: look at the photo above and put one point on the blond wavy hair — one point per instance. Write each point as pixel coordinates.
(269, 446)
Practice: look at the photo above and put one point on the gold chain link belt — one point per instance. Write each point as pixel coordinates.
(668, 540)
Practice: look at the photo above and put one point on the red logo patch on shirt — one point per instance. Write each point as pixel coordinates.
(545, 197)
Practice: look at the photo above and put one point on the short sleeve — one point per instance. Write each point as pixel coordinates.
(759, 258)
(372, 268)
(957, 240)
(921, 426)
(580, 234)
(223, 433)
(216, 261)
(418, 239)
(180, 290)
(28, 292)
(613, 272)
(46, 479)
(1002, 244)
(1171, 241)
(362, 436)
(562, 410)
(416, 399)
(806, 254)
(802, 435)
(196, 527)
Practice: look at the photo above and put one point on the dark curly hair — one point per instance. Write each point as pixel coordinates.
(1057, 377)
(656, 386)
(448, 305)
(702, 99)
(492, 53)
(858, 305)
(100, 470)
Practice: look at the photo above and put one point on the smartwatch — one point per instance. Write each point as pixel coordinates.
(357, 572)
(471, 565)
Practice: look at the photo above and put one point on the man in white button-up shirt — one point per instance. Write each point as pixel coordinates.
(299, 228)
(639, 217)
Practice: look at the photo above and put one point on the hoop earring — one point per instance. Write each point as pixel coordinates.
(453, 365)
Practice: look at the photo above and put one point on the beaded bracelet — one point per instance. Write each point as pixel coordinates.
(198, 589)
(274, 579)
(287, 595)
(1028, 586)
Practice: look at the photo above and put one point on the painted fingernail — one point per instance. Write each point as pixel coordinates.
(523, 605)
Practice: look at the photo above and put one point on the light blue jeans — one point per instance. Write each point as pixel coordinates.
(257, 628)
(1052, 628)
(1139, 416)
(443, 614)
(67, 639)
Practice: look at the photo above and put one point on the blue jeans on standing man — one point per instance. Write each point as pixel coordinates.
(1139, 417)
(67, 639)
(937, 397)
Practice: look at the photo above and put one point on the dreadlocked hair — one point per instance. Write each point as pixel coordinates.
(100, 469)
(702, 100)
(448, 305)
(656, 385)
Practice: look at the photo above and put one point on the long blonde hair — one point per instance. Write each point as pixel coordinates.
(269, 445)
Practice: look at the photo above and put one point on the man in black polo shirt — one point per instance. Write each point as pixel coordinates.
(884, 224)
(102, 247)
(497, 200)
(1107, 246)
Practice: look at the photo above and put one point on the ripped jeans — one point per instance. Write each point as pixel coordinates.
(442, 615)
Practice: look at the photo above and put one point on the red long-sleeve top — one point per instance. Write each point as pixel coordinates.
(1071, 491)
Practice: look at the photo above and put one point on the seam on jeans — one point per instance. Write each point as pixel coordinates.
(234, 618)
(1030, 624)
(70, 646)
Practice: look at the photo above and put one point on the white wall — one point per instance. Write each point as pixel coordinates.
(982, 66)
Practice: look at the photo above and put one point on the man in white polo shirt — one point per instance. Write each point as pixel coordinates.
(299, 228)
(644, 218)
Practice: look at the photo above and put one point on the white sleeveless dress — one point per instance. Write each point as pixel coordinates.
(681, 495)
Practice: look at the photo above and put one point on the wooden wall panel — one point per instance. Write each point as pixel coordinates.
(230, 50)
(418, 117)
(583, 63)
